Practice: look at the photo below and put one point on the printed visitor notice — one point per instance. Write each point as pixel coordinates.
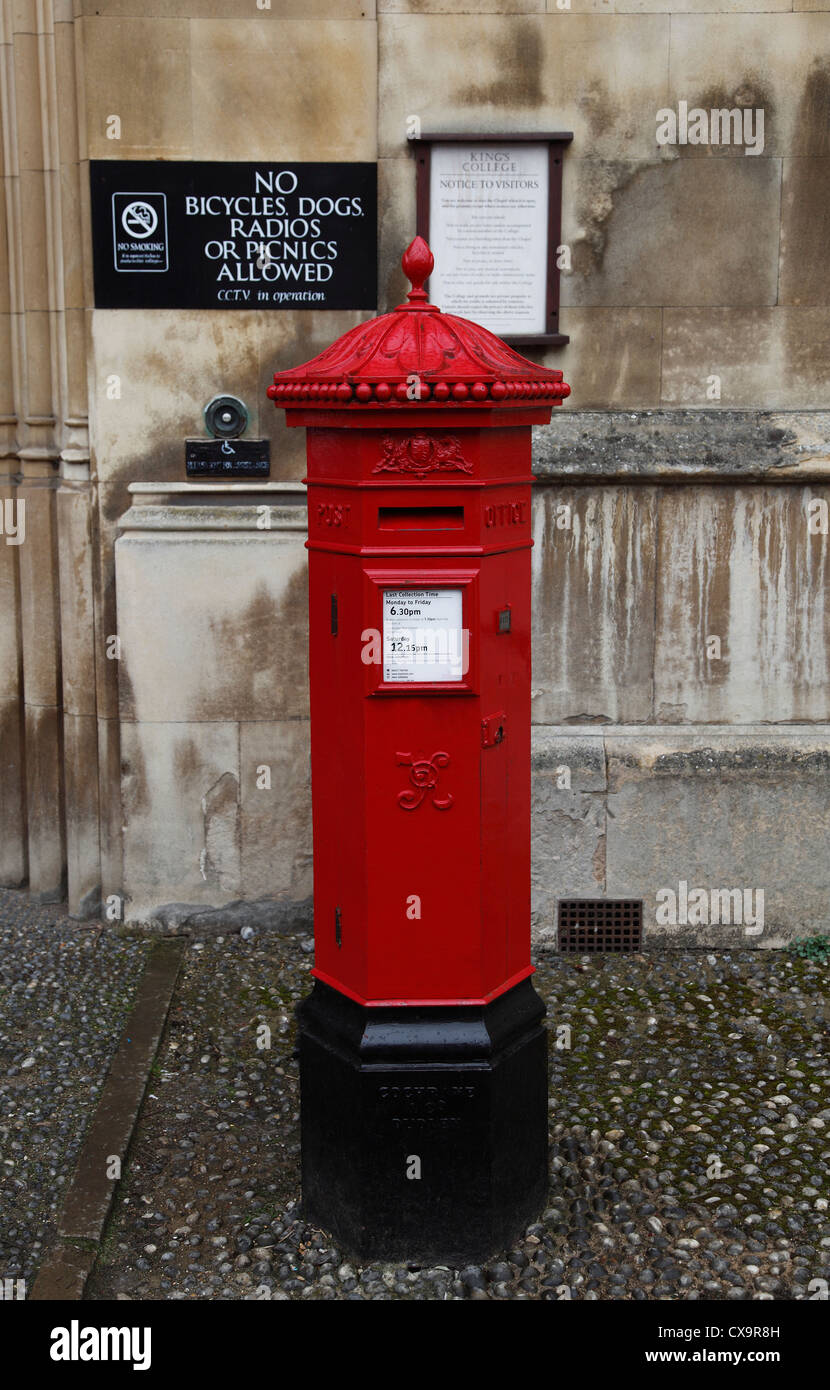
(422, 635)
(488, 233)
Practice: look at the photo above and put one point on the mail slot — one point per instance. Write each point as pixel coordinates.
(420, 518)
(422, 1046)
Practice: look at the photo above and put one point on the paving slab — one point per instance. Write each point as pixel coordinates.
(66, 989)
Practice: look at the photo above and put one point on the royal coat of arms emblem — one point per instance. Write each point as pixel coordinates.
(420, 454)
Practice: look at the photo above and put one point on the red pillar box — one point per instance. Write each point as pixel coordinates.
(423, 1059)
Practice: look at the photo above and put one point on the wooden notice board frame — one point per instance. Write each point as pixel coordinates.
(557, 142)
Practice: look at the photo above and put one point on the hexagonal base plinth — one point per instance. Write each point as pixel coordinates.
(424, 1129)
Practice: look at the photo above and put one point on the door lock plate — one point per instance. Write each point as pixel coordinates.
(493, 729)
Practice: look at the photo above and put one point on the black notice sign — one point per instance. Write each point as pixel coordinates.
(227, 458)
(183, 235)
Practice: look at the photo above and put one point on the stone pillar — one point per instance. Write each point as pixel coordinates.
(28, 116)
(13, 861)
(46, 634)
(76, 510)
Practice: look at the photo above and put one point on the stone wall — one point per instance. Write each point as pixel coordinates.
(688, 261)
(653, 763)
(685, 462)
(707, 761)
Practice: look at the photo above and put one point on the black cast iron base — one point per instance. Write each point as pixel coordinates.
(424, 1129)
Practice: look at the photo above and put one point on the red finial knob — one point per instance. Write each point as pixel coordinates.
(417, 262)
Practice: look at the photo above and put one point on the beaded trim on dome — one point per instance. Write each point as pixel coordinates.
(390, 393)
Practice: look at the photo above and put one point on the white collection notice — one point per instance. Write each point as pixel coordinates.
(488, 233)
(423, 636)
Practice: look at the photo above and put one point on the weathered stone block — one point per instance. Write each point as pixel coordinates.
(44, 803)
(39, 607)
(10, 656)
(113, 499)
(109, 799)
(396, 226)
(77, 618)
(761, 60)
(35, 285)
(613, 357)
(241, 654)
(568, 823)
(141, 68)
(230, 9)
(672, 232)
(593, 603)
(83, 855)
(601, 76)
(180, 796)
(274, 118)
(722, 809)
(762, 358)
(275, 809)
(678, 7)
(189, 356)
(805, 212)
(461, 7)
(12, 806)
(741, 567)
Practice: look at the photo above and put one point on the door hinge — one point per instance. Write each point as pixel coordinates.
(338, 933)
(334, 615)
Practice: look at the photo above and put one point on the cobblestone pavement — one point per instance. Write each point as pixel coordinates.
(690, 1128)
(65, 990)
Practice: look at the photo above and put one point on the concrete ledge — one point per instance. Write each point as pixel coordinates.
(683, 445)
(215, 506)
(263, 914)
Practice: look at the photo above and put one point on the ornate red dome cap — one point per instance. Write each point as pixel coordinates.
(417, 355)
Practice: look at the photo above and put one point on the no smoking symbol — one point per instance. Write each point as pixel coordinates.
(139, 219)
